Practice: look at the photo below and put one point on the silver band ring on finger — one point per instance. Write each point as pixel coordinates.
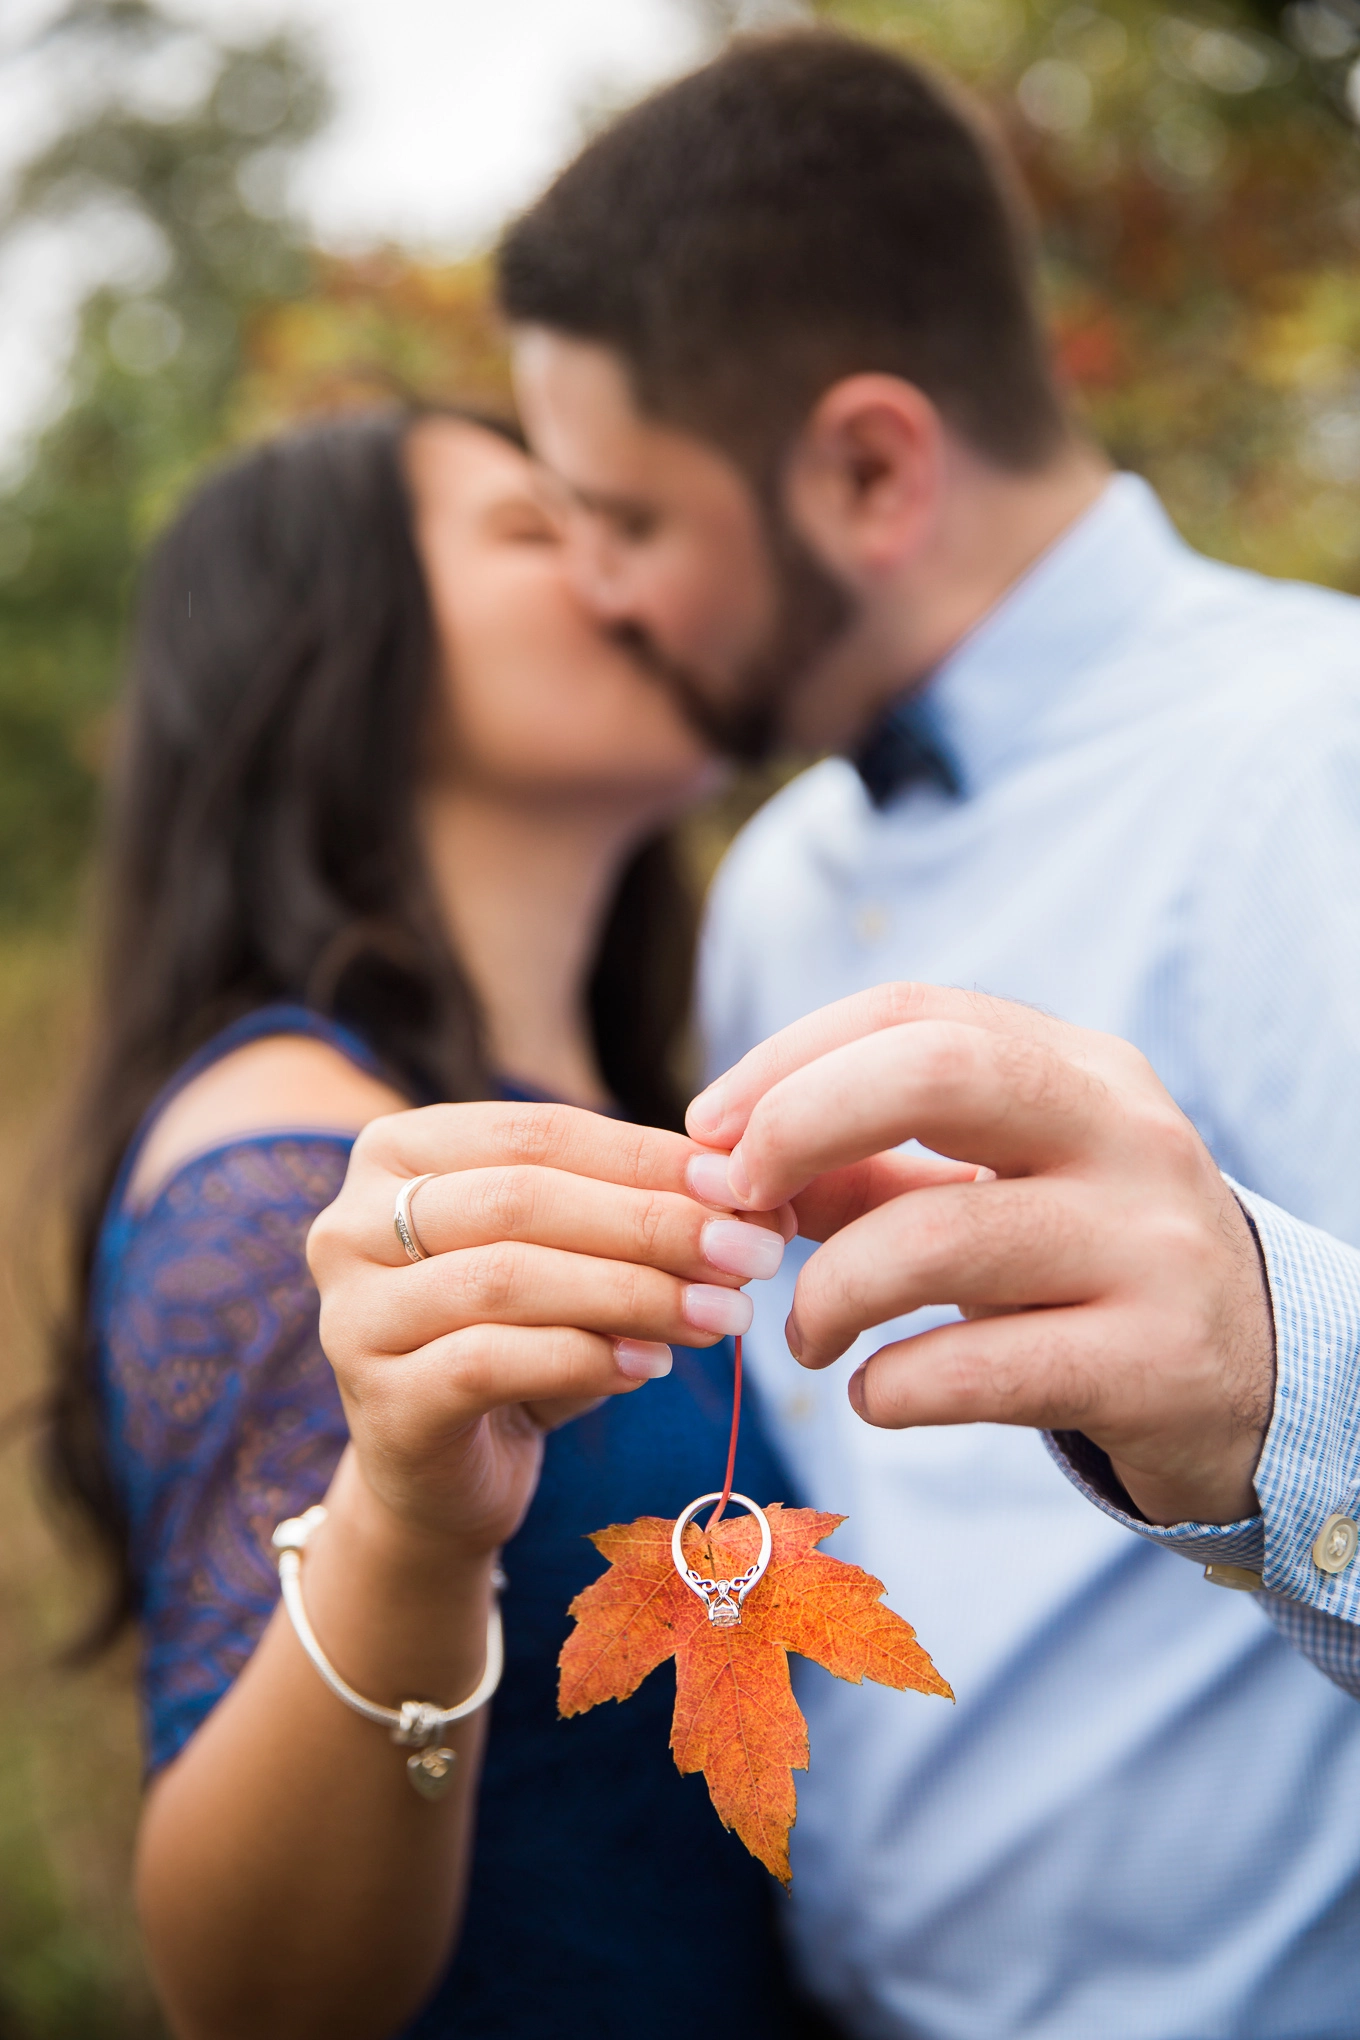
(403, 1224)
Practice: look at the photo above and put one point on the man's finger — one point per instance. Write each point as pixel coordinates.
(1008, 1245)
(718, 1116)
(1009, 1102)
(1051, 1370)
(840, 1196)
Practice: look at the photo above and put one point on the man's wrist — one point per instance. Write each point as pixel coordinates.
(1095, 1467)
(1237, 1544)
(1200, 1467)
(1220, 1492)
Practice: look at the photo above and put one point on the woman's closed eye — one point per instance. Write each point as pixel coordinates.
(523, 522)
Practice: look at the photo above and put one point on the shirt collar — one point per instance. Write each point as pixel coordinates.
(1077, 600)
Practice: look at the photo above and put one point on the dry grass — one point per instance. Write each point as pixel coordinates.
(70, 1968)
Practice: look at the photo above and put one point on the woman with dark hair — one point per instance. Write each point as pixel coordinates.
(386, 831)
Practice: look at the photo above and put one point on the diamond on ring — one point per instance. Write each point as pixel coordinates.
(402, 1222)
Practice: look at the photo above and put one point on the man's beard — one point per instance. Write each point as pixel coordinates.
(813, 611)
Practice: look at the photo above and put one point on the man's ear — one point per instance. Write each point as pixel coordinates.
(863, 481)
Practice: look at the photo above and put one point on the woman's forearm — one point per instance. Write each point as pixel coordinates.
(290, 1881)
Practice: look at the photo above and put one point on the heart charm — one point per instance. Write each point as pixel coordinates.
(431, 1772)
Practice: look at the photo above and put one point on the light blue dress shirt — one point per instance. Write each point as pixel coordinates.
(1142, 1819)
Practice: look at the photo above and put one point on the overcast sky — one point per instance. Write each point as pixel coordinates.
(453, 111)
(450, 113)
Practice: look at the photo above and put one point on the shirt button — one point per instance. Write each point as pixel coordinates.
(1240, 1576)
(871, 923)
(1334, 1546)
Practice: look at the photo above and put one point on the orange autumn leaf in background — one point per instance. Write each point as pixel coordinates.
(736, 1719)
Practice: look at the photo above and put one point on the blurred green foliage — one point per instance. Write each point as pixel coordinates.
(1197, 181)
(194, 188)
(173, 147)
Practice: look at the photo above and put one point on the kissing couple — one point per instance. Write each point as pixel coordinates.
(396, 930)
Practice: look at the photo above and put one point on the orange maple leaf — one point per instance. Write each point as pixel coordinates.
(736, 1719)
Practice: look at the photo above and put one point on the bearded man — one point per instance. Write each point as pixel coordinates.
(777, 345)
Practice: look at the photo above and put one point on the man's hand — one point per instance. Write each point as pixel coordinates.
(1109, 1279)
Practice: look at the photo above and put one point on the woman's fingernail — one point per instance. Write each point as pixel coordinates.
(642, 1359)
(740, 1249)
(793, 1338)
(707, 1179)
(710, 1309)
(737, 1176)
(854, 1388)
(985, 1175)
(706, 1112)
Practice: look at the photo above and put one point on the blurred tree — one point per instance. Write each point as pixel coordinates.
(373, 329)
(174, 145)
(1197, 179)
(1198, 186)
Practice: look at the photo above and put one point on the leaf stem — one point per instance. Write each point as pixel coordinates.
(732, 1443)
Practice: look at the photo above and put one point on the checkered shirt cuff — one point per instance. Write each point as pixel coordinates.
(1310, 1463)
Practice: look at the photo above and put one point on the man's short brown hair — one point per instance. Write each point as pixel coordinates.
(805, 207)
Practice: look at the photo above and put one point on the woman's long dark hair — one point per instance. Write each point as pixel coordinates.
(261, 845)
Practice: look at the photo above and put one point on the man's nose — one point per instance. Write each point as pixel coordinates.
(597, 572)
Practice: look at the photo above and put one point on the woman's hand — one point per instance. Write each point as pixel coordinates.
(565, 1255)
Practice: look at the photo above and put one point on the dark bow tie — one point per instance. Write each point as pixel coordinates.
(902, 750)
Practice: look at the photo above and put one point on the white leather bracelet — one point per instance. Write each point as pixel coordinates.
(417, 1724)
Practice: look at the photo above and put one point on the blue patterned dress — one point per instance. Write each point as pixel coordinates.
(606, 1901)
